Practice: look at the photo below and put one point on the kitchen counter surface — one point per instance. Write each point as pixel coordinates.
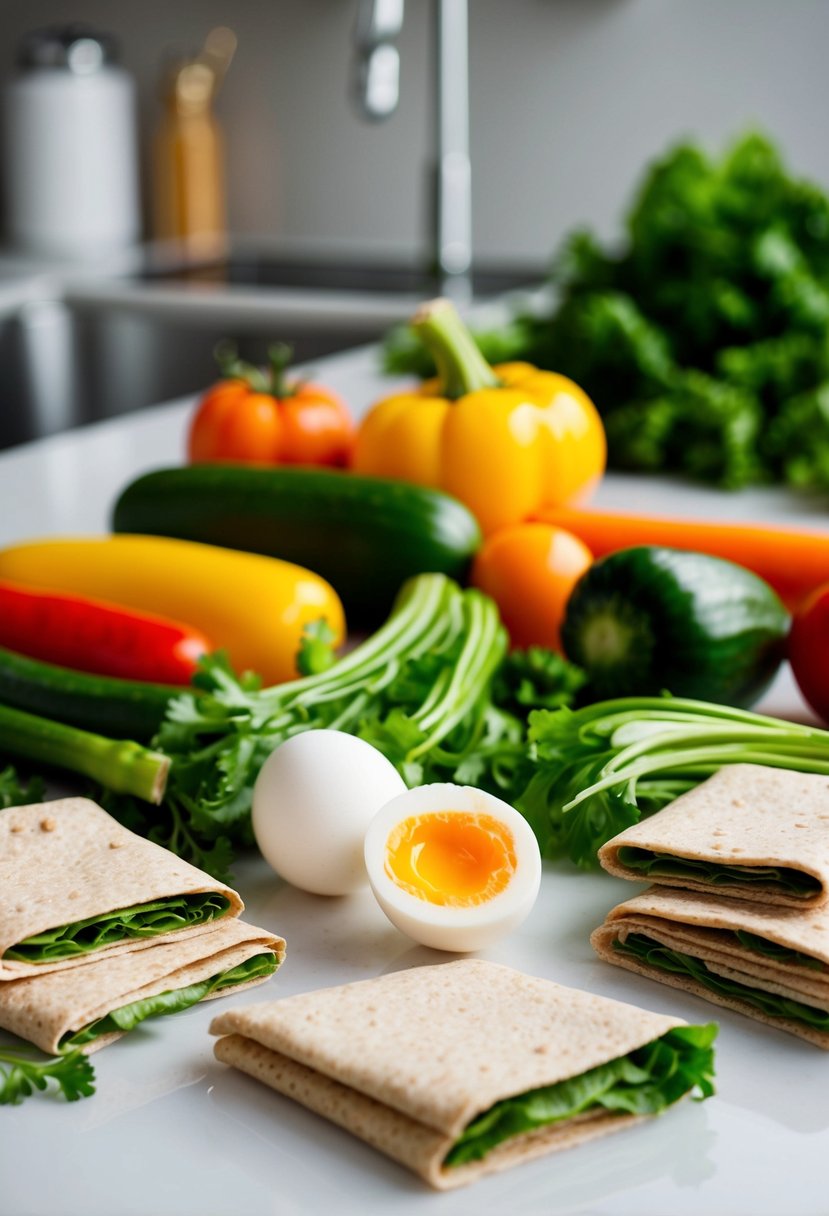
(171, 1131)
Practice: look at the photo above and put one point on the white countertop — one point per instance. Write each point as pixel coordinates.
(171, 1131)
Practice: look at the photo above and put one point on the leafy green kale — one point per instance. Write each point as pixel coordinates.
(704, 341)
(23, 1070)
(644, 1082)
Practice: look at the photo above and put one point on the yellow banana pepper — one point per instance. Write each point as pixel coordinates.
(254, 607)
(507, 441)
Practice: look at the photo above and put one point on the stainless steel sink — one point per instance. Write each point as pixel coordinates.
(281, 273)
(93, 347)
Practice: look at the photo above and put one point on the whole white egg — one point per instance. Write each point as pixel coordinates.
(452, 867)
(312, 802)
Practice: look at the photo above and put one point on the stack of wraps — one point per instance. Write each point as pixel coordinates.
(739, 910)
(101, 929)
(468, 1067)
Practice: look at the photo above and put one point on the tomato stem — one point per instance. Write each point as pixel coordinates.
(280, 355)
(231, 367)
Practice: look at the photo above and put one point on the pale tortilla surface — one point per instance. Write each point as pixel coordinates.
(745, 815)
(68, 860)
(407, 1060)
(44, 1008)
(703, 926)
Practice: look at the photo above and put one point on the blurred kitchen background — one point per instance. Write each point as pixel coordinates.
(331, 215)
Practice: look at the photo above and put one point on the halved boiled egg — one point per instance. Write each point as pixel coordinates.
(451, 866)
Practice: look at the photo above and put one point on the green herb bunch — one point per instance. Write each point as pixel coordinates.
(433, 689)
(704, 341)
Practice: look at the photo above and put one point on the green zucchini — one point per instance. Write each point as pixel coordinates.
(649, 619)
(124, 709)
(365, 535)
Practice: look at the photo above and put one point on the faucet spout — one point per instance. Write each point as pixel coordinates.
(453, 174)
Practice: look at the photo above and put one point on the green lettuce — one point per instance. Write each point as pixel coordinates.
(781, 954)
(653, 954)
(126, 1017)
(643, 1082)
(142, 920)
(665, 865)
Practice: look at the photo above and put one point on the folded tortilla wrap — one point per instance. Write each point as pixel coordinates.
(52, 1009)
(67, 866)
(411, 1061)
(749, 832)
(767, 962)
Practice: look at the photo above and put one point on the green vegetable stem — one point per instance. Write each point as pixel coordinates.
(120, 765)
(433, 689)
(600, 768)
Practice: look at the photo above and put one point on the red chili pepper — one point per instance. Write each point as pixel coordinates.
(97, 636)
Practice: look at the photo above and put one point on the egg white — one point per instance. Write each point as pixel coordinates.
(440, 926)
(312, 802)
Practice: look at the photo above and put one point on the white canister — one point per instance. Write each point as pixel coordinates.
(71, 171)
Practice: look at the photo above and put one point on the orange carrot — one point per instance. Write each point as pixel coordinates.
(792, 560)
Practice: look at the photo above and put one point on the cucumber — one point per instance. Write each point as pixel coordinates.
(365, 535)
(650, 619)
(123, 709)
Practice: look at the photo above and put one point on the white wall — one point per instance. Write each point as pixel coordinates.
(569, 98)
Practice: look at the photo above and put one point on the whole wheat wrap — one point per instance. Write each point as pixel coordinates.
(45, 1008)
(407, 1060)
(745, 816)
(705, 928)
(67, 861)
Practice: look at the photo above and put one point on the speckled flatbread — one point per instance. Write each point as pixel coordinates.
(45, 1008)
(746, 817)
(68, 860)
(407, 1060)
(705, 928)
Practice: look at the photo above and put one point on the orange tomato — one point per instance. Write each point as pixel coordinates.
(530, 570)
(233, 423)
(251, 416)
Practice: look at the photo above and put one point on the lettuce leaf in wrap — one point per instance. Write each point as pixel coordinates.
(665, 865)
(140, 921)
(644, 1082)
(126, 1017)
(662, 958)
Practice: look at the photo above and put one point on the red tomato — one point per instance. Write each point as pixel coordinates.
(317, 427)
(809, 649)
(530, 570)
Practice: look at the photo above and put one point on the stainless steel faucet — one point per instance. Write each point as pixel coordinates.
(377, 91)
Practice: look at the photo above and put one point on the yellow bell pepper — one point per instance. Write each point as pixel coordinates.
(254, 607)
(507, 441)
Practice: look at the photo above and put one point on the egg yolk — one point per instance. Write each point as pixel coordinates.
(454, 858)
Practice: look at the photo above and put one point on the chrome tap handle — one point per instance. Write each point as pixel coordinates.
(376, 80)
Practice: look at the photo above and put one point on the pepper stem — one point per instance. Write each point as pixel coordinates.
(461, 366)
